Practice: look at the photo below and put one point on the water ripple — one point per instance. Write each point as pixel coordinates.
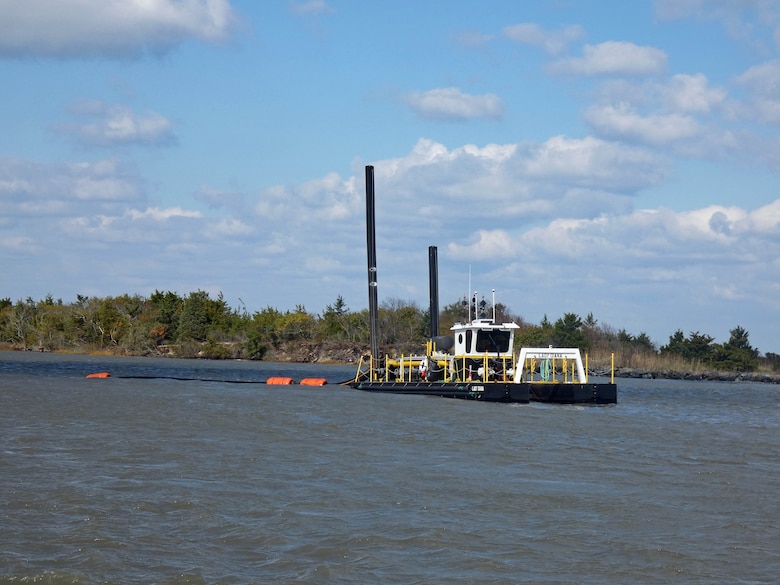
(188, 482)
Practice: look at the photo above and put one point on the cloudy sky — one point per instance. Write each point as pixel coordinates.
(622, 161)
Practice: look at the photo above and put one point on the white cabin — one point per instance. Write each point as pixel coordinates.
(483, 336)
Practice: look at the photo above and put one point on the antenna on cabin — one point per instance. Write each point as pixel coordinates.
(468, 296)
(494, 305)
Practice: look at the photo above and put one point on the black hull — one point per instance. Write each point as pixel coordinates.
(487, 392)
(500, 391)
(573, 393)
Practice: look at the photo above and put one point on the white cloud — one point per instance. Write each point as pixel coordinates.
(549, 224)
(763, 84)
(217, 198)
(692, 93)
(152, 226)
(327, 198)
(118, 125)
(274, 204)
(19, 245)
(763, 78)
(101, 181)
(681, 93)
(683, 114)
(230, 227)
(485, 245)
(613, 58)
(675, 9)
(159, 215)
(99, 28)
(102, 185)
(765, 220)
(655, 261)
(103, 188)
(740, 18)
(591, 162)
(450, 103)
(428, 152)
(657, 237)
(625, 124)
(553, 42)
(322, 264)
(311, 8)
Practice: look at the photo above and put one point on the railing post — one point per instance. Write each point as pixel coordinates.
(587, 369)
(613, 368)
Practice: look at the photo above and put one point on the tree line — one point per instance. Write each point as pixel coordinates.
(197, 325)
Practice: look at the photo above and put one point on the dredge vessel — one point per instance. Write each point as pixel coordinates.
(477, 361)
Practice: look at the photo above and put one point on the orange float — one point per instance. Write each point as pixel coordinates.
(99, 375)
(314, 382)
(278, 380)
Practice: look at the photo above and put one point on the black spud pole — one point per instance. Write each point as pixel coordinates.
(433, 290)
(373, 305)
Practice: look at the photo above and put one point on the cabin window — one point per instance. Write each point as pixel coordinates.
(492, 341)
(468, 341)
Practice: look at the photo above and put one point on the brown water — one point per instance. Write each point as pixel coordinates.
(149, 480)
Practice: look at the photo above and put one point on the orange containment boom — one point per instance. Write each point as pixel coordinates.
(314, 382)
(99, 375)
(279, 380)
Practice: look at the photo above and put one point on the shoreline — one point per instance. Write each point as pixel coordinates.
(346, 357)
(712, 376)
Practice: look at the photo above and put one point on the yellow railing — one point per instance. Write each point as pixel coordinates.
(561, 370)
(551, 370)
(507, 364)
(407, 368)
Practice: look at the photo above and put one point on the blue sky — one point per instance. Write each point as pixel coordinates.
(615, 158)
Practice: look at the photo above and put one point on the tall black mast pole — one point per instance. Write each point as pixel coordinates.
(373, 305)
(433, 289)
